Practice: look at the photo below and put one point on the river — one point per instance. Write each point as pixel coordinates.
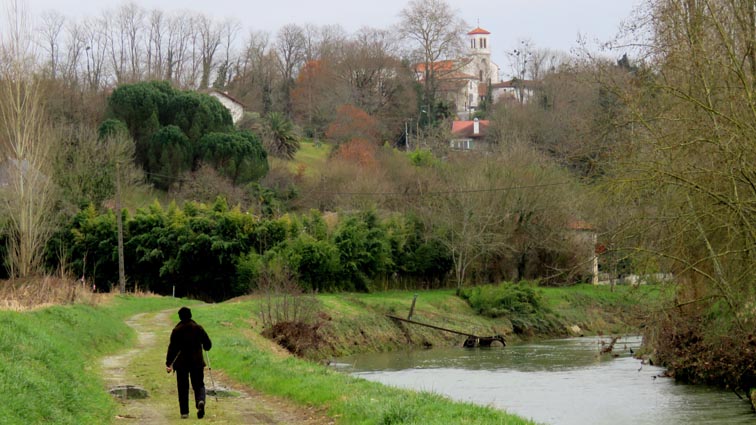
(558, 382)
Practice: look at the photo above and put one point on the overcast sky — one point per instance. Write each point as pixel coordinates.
(554, 24)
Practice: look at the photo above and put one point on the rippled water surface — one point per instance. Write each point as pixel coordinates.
(560, 382)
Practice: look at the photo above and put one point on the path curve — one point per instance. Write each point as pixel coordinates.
(129, 367)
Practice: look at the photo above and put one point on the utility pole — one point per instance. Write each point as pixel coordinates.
(406, 136)
(119, 221)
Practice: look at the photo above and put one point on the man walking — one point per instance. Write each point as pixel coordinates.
(184, 356)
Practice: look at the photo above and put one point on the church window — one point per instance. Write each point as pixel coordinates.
(481, 75)
(483, 43)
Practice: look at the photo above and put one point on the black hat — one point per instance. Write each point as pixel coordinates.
(185, 313)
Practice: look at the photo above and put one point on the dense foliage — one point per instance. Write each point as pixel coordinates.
(213, 252)
(521, 304)
(174, 130)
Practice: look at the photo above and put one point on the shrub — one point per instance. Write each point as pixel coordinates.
(520, 303)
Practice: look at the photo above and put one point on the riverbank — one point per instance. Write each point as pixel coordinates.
(345, 324)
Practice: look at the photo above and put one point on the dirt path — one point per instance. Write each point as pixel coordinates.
(142, 366)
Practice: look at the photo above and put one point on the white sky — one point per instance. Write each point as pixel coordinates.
(553, 24)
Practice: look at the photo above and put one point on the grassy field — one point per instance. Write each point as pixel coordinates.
(310, 158)
(48, 360)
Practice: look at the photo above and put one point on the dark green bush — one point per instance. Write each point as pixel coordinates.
(521, 303)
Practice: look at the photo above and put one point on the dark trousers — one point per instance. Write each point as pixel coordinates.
(197, 376)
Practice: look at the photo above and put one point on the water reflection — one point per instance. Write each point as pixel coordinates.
(560, 382)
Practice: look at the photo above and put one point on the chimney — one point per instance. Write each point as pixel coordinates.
(476, 127)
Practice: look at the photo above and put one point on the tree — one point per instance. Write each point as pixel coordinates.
(436, 33)
(50, 30)
(196, 114)
(376, 80)
(146, 107)
(169, 155)
(314, 96)
(280, 139)
(688, 175)
(290, 49)
(255, 74)
(139, 106)
(26, 142)
(353, 123)
(210, 40)
(363, 250)
(85, 164)
(497, 214)
(238, 156)
(468, 215)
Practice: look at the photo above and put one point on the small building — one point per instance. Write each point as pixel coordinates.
(470, 135)
(235, 107)
(586, 240)
(514, 90)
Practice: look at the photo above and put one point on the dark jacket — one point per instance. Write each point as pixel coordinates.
(187, 341)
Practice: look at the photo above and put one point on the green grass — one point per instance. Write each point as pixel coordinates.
(241, 354)
(313, 158)
(599, 309)
(358, 323)
(49, 360)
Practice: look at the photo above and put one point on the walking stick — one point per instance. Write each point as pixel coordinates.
(174, 361)
(210, 372)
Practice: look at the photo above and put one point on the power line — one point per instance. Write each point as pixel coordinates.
(443, 192)
(409, 193)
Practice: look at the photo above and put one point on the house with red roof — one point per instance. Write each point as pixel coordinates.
(470, 135)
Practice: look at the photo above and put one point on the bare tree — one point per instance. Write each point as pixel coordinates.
(436, 32)
(75, 45)
(50, 31)
(290, 49)
(95, 51)
(154, 45)
(210, 40)
(229, 31)
(467, 214)
(177, 45)
(131, 19)
(25, 144)
(375, 78)
(255, 73)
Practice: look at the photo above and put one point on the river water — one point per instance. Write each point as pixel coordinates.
(558, 382)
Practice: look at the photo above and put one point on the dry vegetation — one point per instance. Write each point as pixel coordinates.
(32, 293)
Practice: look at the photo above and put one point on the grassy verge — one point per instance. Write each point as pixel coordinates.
(49, 360)
(599, 309)
(244, 355)
(357, 322)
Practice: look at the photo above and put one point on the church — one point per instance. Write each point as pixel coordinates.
(464, 82)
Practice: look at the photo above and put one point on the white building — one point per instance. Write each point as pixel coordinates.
(464, 81)
(235, 108)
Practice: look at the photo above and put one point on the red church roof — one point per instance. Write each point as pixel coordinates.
(478, 31)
